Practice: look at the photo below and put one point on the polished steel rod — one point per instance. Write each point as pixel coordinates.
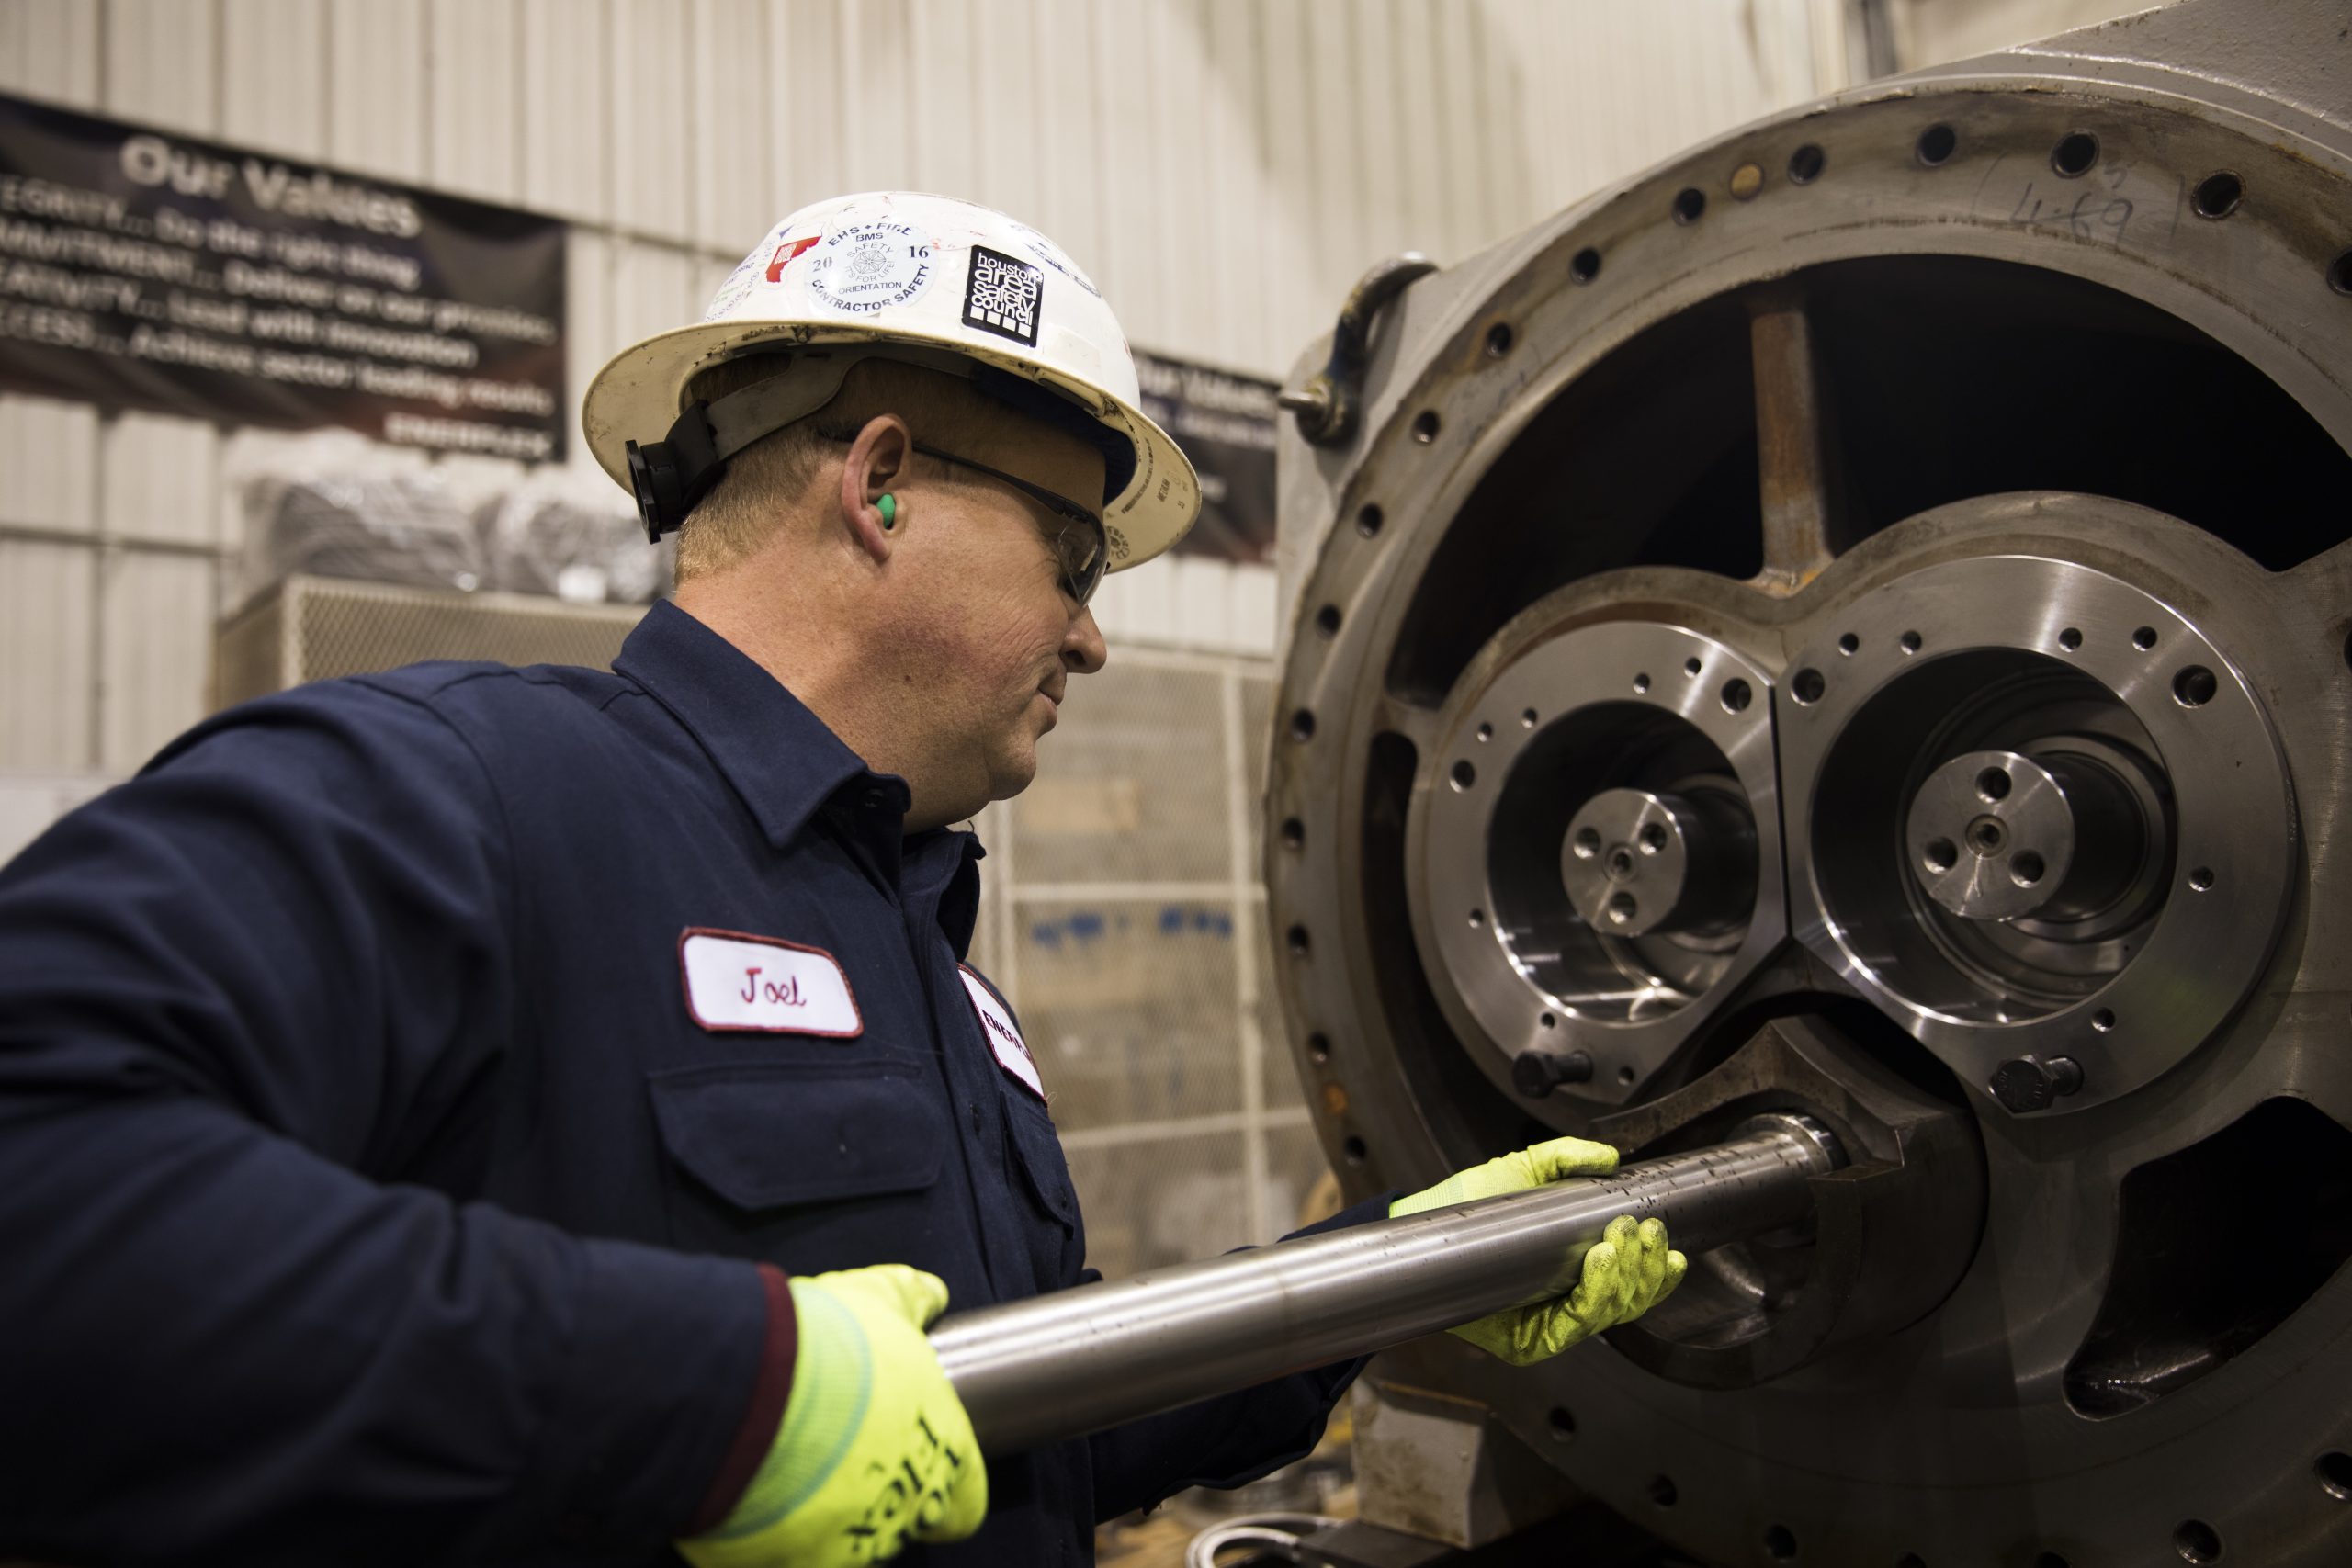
(1078, 1361)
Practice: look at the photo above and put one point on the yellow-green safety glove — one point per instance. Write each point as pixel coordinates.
(874, 1450)
(1628, 1271)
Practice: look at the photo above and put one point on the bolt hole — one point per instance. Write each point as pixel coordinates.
(1622, 907)
(2074, 154)
(1563, 1425)
(2103, 1020)
(1908, 642)
(1936, 144)
(2144, 639)
(1294, 833)
(1625, 1075)
(1690, 204)
(2070, 639)
(1691, 667)
(1621, 863)
(1585, 265)
(2339, 274)
(1298, 942)
(1465, 776)
(2051, 1560)
(1806, 164)
(1910, 1559)
(1653, 837)
(1548, 1022)
(2335, 1472)
(1527, 719)
(2194, 687)
(1425, 426)
(1478, 919)
(1662, 1491)
(1486, 732)
(1779, 1544)
(1992, 783)
(1587, 843)
(1318, 1048)
(2218, 194)
(1498, 340)
(1985, 835)
(1747, 181)
(1355, 1151)
(1369, 518)
(1850, 644)
(1326, 620)
(2201, 879)
(1809, 686)
(1642, 682)
(1736, 695)
(2026, 868)
(1302, 725)
(1939, 855)
(2197, 1541)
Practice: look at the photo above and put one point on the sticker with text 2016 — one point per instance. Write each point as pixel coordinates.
(737, 982)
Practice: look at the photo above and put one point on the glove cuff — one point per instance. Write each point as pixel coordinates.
(832, 1377)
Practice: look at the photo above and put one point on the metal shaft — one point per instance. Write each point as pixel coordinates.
(1076, 1362)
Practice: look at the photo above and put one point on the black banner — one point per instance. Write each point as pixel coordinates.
(1225, 426)
(147, 269)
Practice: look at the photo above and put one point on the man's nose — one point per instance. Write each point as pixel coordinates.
(1084, 650)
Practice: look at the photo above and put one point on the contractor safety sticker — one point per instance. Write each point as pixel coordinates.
(1004, 1038)
(864, 268)
(740, 983)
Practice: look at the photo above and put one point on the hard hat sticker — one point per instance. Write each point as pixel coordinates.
(1002, 295)
(868, 267)
(788, 253)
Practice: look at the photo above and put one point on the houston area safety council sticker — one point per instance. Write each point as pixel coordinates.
(865, 268)
(1012, 1050)
(740, 983)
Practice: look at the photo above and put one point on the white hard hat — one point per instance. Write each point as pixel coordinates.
(926, 279)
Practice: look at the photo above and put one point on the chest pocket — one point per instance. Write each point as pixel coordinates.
(763, 1155)
(1057, 1238)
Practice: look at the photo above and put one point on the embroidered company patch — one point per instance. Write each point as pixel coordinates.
(1002, 295)
(868, 267)
(1012, 1050)
(739, 983)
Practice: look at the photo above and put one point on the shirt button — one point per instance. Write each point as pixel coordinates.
(976, 1117)
(874, 800)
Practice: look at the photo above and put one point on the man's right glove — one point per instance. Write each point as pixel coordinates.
(874, 1450)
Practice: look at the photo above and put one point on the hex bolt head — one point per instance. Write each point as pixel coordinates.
(1537, 1073)
(2027, 1084)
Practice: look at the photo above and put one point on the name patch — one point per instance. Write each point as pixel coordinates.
(737, 982)
(1012, 1050)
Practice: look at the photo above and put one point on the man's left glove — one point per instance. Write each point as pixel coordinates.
(1628, 1271)
(874, 1450)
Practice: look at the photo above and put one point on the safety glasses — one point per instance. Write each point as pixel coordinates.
(1081, 550)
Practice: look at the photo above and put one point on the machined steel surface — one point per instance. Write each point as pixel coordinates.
(1076, 1362)
(1992, 421)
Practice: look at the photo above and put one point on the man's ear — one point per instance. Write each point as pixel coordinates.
(876, 463)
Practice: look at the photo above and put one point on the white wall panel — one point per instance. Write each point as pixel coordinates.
(1070, 203)
(474, 140)
(877, 117)
(46, 648)
(157, 476)
(162, 63)
(48, 50)
(376, 53)
(734, 136)
(567, 132)
(31, 802)
(655, 287)
(156, 655)
(805, 52)
(274, 75)
(646, 98)
(49, 464)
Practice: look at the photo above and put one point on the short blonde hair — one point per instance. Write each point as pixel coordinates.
(758, 494)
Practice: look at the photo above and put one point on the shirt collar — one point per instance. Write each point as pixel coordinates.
(777, 755)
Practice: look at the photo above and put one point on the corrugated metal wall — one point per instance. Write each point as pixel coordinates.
(1224, 168)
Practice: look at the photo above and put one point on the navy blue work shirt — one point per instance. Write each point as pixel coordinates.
(370, 1191)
